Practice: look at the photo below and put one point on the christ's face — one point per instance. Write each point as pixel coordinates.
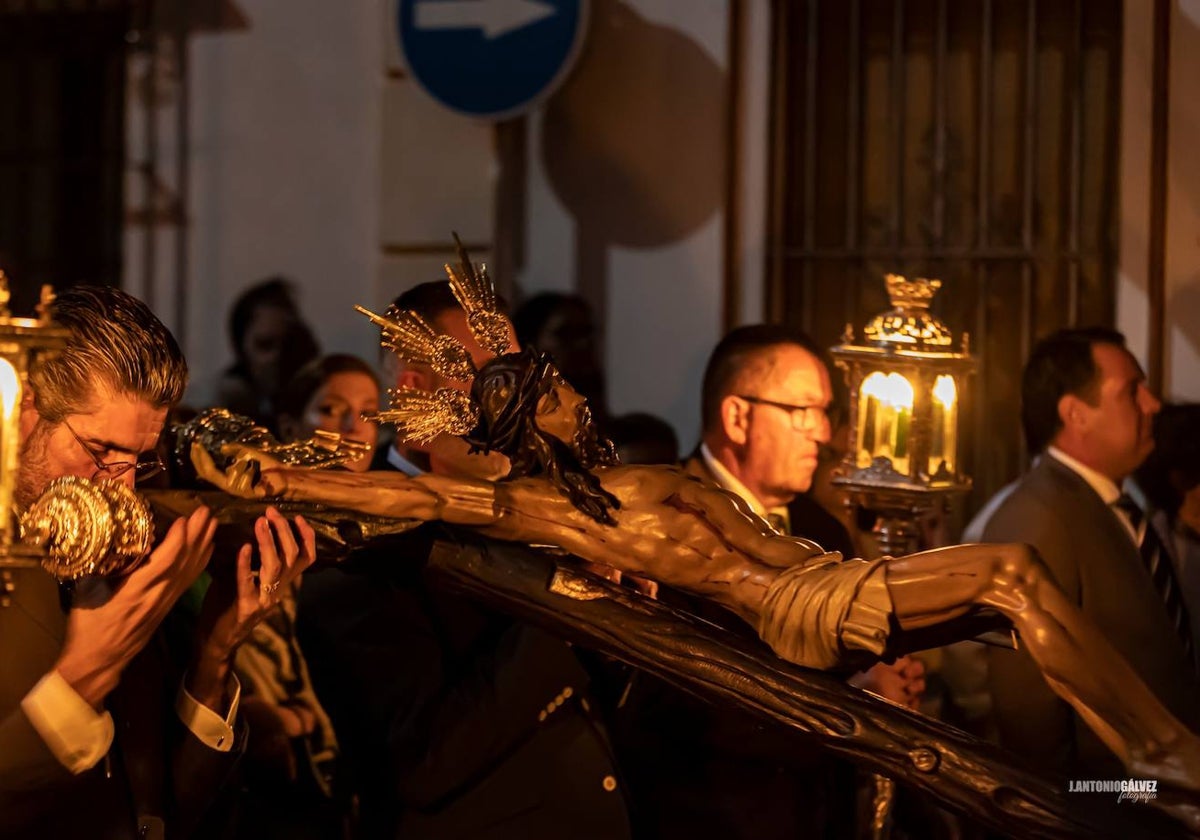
(562, 412)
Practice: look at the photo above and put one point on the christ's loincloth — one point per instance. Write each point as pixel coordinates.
(817, 611)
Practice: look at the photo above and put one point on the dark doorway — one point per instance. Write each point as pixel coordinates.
(62, 145)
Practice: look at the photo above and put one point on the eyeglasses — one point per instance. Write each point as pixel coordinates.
(804, 417)
(146, 466)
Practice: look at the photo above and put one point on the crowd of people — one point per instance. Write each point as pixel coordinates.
(205, 699)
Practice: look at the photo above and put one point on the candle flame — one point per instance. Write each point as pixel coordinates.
(892, 389)
(10, 388)
(945, 391)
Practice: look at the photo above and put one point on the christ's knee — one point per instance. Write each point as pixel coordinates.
(1018, 573)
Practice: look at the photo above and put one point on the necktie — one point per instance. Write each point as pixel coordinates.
(1158, 564)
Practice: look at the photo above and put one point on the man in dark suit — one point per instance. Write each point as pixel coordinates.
(99, 736)
(1086, 407)
(456, 721)
(765, 395)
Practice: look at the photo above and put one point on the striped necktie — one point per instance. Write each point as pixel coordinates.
(1158, 564)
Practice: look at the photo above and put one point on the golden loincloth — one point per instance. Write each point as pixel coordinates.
(816, 611)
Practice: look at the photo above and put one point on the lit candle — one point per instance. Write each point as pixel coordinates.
(10, 399)
(945, 422)
(883, 430)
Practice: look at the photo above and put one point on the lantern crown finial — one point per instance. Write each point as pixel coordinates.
(911, 294)
(909, 321)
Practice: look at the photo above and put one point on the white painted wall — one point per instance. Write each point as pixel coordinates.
(663, 303)
(1182, 380)
(313, 156)
(1133, 247)
(309, 158)
(285, 170)
(1182, 351)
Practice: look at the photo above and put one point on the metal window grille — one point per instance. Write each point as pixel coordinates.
(974, 141)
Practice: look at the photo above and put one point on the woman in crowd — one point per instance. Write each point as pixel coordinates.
(332, 394)
(271, 343)
(292, 787)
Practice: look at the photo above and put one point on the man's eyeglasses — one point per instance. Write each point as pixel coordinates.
(804, 417)
(147, 465)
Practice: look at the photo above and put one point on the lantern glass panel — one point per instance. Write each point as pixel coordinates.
(885, 406)
(943, 451)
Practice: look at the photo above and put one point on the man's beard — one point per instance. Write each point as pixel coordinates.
(33, 471)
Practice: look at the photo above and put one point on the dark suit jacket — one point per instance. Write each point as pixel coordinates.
(699, 770)
(455, 721)
(805, 515)
(156, 769)
(1097, 566)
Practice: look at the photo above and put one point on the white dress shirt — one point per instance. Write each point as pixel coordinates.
(1105, 488)
(79, 736)
(729, 481)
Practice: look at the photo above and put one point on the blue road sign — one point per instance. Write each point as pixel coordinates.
(490, 58)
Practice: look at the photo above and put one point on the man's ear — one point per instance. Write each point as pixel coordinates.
(735, 419)
(1071, 412)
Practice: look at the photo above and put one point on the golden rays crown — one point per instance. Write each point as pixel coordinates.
(475, 293)
(410, 336)
(420, 415)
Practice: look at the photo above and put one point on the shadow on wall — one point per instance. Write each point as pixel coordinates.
(633, 144)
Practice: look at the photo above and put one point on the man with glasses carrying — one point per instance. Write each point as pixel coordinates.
(101, 736)
(765, 414)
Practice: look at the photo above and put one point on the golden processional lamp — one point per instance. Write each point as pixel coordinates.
(906, 384)
(22, 340)
(77, 527)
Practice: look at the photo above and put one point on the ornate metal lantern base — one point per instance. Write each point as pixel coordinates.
(899, 512)
(899, 504)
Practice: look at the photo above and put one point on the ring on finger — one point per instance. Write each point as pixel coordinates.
(270, 588)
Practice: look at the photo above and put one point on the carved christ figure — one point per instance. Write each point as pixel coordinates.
(812, 607)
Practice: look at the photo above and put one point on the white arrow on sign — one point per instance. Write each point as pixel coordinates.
(494, 17)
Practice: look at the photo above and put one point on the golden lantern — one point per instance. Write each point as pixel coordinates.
(21, 341)
(906, 385)
(77, 527)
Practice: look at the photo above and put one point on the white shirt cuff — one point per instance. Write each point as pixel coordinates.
(213, 730)
(77, 734)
